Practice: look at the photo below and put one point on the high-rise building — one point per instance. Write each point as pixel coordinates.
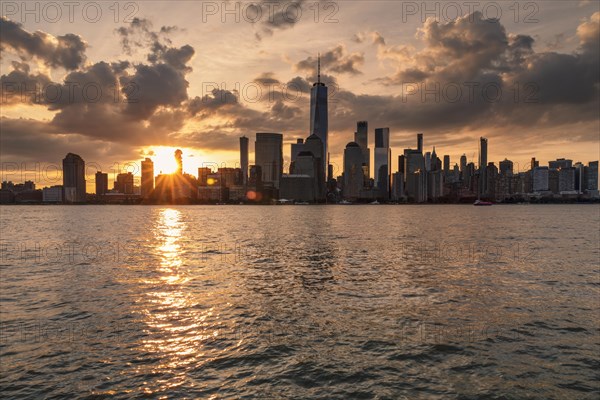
(540, 179)
(566, 179)
(428, 161)
(414, 175)
(591, 176)
(436, 163)
(560, 163)
(74, 179)
(255, 177)
(147, 178)
(297, 148)
(124, 183)
(491, 174)
(268, 150)
(483, 153)
(463, 165)
(101, 183)
(534, 163)
(401, 165)
(361, 137)
(244, 159)
(553, 180)
(383, 161)
(580, 184)
(318, 114)
(420, 142)
(446, 166)
(506, 167)
(314, 145)
(353, 172)
(179, 161)
(203, 173)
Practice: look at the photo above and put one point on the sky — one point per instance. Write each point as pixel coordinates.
(118, 83)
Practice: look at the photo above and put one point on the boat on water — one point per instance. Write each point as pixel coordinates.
(482, 203)
(301, 203)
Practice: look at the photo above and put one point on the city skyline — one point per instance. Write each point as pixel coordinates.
(421, 176)
(365, 70)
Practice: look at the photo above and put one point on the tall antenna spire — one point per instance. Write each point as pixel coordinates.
(319, 68)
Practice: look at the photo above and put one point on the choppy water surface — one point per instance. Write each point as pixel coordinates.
(282, 302)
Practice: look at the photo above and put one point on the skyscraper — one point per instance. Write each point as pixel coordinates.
(179, 160)
(540, 179)
(382, 161)
(591, 176)
(420, 142)
(427, 161)
(506, 167)
(361, 137)
(269, 157)
(463, 164)
(534, 163)
(353, 172)
(124, 183)
(244, 159)
(560, 163)
(446, 166)
(74, 178)
(318, 113)
(147, 177)
(483, 150)
(101, 183)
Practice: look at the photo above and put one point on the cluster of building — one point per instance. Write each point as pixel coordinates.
(421, 176)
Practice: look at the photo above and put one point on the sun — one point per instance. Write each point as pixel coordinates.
(164, 160)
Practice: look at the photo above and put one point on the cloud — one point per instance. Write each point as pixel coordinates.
(67, 51)
(147, 103)
(336, 60)
(279, 16)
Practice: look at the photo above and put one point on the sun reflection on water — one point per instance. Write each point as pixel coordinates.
(176, 328)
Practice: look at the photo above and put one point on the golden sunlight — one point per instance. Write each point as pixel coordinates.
(164, 160)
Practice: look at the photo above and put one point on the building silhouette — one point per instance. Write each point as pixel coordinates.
(383, 160)
(361, 137)
(483, 153)
(244, 159)
(268, 150)
(354, 179)
(179, 161)
(319, 124)
(101, 183)
(74, 179)
(124, 183)
(147, 178)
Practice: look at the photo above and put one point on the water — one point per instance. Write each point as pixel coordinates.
(336, 302)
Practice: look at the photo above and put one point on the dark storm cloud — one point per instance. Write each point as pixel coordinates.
(335, 60)
(67, 51)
